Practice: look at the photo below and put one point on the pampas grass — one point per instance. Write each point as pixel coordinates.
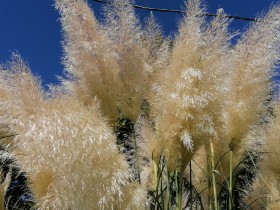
(140, 121)
(52, 130)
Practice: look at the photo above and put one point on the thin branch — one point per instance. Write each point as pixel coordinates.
(180, 12)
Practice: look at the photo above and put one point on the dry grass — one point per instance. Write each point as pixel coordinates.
(181, 96)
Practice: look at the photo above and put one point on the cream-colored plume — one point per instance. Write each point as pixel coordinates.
(109, 61)
(66, 148)
(91, 66)
(253, 60)
(190, 96)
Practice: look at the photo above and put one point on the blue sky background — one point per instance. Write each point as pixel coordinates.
(32, 28)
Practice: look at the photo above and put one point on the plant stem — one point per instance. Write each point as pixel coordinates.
(155, 171)
(158, 177)
(177, 187)
(136, 155)
(180, 188)
(162, 191)
(209, 171)
(167, 197)
(191, 184)
(213, 175)
(230, 180)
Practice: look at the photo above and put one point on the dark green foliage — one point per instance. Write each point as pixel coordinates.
(18, 194)
(244, 176)
(124, 130)
(169, 188)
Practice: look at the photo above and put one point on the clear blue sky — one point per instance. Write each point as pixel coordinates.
(32, 28)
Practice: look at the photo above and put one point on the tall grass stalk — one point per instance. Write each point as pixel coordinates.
(177, 189)
(167, 197)
(231, 204)
(137, 164)
(159, 193)
(213, 175)
(191, 185)
(180, 188)
(209, 173)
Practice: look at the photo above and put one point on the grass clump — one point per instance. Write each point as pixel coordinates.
(140, 121)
